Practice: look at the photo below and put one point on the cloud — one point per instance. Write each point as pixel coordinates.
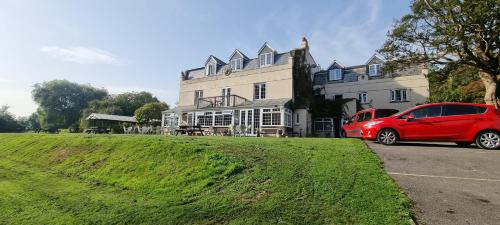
(81, 55)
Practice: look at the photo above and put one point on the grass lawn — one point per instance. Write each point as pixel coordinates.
(96, 179)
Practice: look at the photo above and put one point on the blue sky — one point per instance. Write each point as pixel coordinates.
(144, 45)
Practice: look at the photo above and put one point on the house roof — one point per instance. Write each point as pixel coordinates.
(98, 116)
(220, 62)
(264, 46)
(237, 51)
(250, 64)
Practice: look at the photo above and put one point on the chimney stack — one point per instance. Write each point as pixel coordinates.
(304, 44)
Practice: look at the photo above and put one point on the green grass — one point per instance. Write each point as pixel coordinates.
(118, 179)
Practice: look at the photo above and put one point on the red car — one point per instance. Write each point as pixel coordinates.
(462, 123)
(352, 128)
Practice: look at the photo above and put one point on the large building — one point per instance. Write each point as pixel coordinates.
(272, 92)
(255, 95)
(372, 88)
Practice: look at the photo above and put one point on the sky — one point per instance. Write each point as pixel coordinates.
(125, 46)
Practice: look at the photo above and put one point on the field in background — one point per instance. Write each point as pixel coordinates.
(74, 179)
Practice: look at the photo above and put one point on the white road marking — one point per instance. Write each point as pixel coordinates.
(446, 177)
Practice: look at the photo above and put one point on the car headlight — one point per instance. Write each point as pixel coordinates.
(372, 123)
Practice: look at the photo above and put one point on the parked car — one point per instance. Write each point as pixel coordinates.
(352, 127)
(462, 123)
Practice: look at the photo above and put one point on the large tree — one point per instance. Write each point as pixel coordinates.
(442, 31)
(61, 102)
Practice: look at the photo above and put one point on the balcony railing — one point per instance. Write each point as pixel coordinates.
(220, 101)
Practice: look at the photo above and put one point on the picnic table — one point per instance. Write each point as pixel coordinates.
(189, 130)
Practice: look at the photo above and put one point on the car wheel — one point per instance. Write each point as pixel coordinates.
(463, 143)
(387, 137)
(488, 140)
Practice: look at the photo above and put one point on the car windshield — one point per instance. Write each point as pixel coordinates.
(381, 113)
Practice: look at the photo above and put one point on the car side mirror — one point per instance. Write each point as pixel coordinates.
(410, 118)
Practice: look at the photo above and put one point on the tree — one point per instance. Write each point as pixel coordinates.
(61, 102)
(8, 122)
(150, 112)
(33, 122)
(439, 32)
(131, 101)
(455, 83)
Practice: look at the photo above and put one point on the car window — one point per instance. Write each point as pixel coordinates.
(426, 112)
(385, 113)
(361, 117)
(368, 116)
(453, 110)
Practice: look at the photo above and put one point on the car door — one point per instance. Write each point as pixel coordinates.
(423, 126)
(350, 127)
(458, 118)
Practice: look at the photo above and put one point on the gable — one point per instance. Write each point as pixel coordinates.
(375, 59)
(335, 65)
(266, 48)
(237, 55)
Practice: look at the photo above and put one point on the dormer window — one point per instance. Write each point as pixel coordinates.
(211, 69)
(335, 74)
(266, 59)
(374, 70)
(237, 64)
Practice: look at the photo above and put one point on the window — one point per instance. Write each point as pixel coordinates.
(211, 69)
(271, 117)
(297, 119)
(197, 96)
(335, 74)
(222, 119)
(171, 120)
(338, 97)
(373, 70)
(266, 59)
(237, 64)
(381, 113)
(453, 110)
(426, 112)
(364, 116)
(259, 91)
(226, 97)
(363, 97)
(324, 125)
(205, 119)
(288, 118)
(399, 95)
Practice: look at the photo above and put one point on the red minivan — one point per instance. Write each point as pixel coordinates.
(352, 127)
(462, 123)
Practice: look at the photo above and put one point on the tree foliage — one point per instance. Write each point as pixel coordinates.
(8, 123)
(61, 102)
(150, 112)
(445, 31)
(455, 83)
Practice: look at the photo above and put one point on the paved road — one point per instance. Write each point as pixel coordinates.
(448, 184)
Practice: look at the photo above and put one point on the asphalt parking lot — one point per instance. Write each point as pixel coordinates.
(448, 184)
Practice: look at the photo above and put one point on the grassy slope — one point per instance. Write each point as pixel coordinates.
(136, 179)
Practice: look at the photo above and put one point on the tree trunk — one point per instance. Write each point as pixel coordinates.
(490, 82)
